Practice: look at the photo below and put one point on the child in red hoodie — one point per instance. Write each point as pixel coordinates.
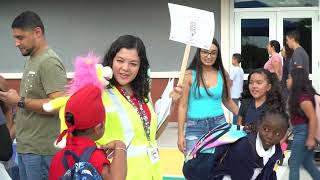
(85, 118)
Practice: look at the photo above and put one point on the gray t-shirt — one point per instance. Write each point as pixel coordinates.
(36, 133)
(299, 58)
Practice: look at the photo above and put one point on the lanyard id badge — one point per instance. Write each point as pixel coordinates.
(141, 112)
(153, 154)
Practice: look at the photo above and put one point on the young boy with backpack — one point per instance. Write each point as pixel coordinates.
(85, 118)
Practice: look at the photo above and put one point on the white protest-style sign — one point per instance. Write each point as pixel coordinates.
(193, 27)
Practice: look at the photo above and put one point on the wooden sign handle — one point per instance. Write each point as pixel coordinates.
(184, 63)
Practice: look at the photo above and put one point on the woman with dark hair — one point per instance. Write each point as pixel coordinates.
(304, 122)
(261, 93)
(131, 117)
(274, 64)
(205, 88)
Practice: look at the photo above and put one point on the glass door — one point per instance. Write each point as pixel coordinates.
(253, 30)
(306, 22)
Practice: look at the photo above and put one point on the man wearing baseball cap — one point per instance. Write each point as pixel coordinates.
(85, 117)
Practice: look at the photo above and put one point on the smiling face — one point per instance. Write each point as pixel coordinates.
(271, 130)
(208, 58)
(258, 85)
(125, 66)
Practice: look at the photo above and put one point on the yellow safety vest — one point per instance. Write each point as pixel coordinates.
(124, 123)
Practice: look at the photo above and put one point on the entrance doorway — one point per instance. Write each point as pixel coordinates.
(254, 29)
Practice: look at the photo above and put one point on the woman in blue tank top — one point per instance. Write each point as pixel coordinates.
(205, 88)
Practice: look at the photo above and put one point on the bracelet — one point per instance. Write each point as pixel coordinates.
(119, 148)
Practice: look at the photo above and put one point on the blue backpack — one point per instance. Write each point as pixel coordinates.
(82, 169)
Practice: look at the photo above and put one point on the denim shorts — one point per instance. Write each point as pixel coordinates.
(197, 127)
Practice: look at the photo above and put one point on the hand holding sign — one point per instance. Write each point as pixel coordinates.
(193, 27)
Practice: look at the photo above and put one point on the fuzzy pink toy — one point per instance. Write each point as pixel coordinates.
(84, 73)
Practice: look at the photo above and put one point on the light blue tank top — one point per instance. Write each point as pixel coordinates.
(205, 106)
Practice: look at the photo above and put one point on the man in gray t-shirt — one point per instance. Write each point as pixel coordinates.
(44, 78)
(299, 58)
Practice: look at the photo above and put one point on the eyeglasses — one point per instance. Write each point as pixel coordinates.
(206, 52)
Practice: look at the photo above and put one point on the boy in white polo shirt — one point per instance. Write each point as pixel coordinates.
(236, 77)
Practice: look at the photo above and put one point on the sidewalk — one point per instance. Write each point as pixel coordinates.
(172, 159)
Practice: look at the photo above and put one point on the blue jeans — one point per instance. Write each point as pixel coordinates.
(300, 155)
(235, 117)
(197, 127)
(33, 167)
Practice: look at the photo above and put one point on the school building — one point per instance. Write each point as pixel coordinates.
(75, 27)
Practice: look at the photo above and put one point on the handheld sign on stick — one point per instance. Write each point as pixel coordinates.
(193, 27)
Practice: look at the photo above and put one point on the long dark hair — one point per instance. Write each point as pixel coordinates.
(140, 85)
(288, 51)
(300, 85)
(275, 45)
(196, 65)
(274, 97)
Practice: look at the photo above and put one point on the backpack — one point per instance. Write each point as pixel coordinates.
(317, 109)
(82, 169)
(199, 161)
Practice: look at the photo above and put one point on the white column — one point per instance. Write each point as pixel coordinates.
(225, 43)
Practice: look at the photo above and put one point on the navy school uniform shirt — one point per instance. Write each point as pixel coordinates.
(249, 112)
(241, 158)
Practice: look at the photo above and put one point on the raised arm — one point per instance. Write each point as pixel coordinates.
(53, 79)
(118, 168)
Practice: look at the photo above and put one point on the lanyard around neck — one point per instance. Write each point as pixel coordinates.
(140, 111)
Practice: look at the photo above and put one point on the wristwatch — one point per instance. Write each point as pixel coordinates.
(21, 103)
